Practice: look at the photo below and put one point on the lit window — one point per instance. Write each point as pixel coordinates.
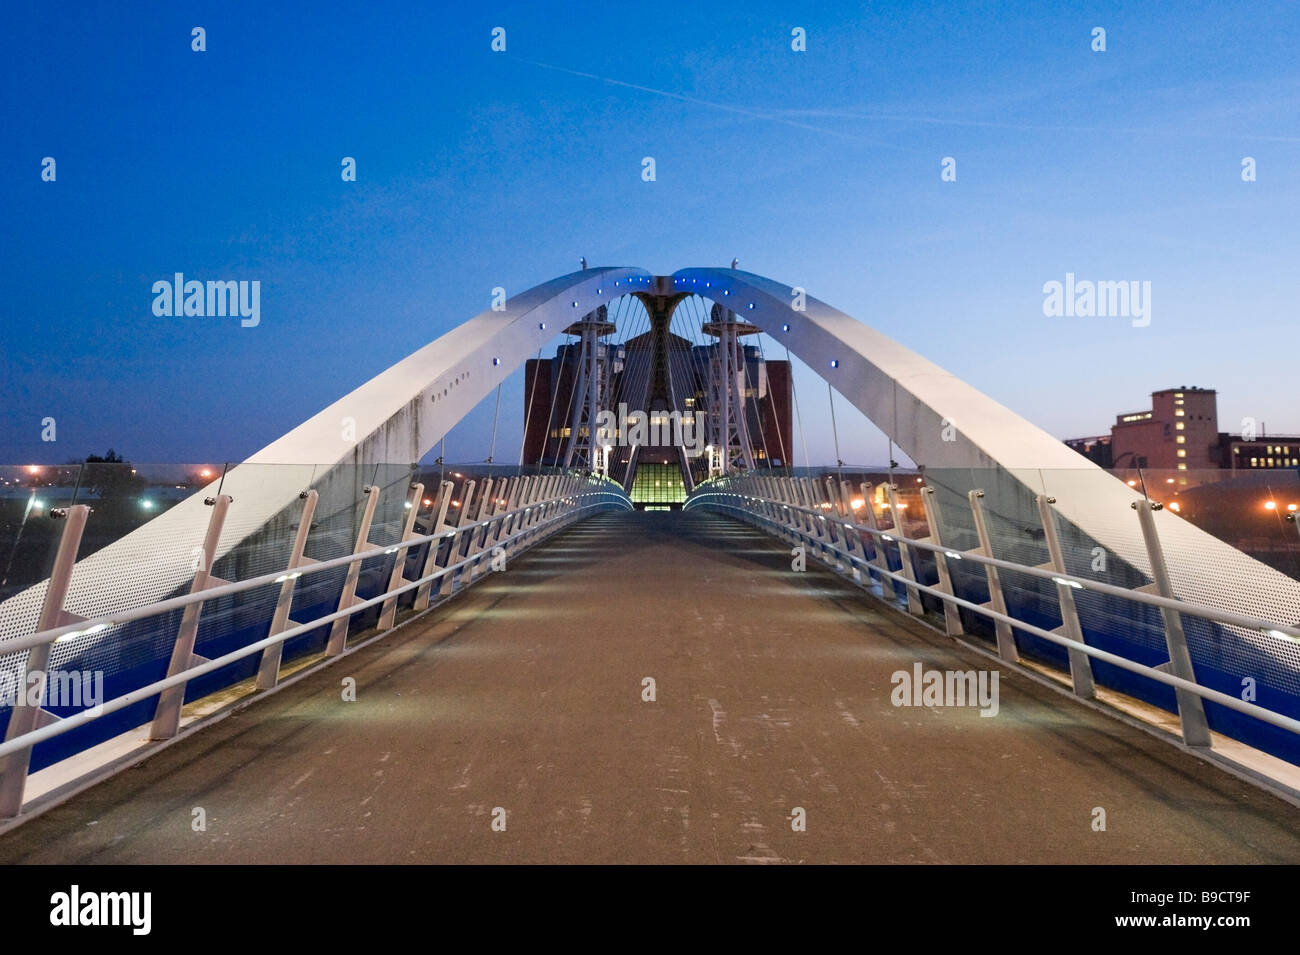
(1180, 425)
(1181, 439)
(1179, 412)
(1178, 394)
(1182, 452)
(1179, 402)
(1182, 466)
(1254, 462)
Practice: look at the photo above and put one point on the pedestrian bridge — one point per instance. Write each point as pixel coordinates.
(330, 657)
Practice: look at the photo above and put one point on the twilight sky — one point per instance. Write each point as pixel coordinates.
(477, 169)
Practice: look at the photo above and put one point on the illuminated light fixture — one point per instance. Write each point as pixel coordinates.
(857, 503)
(406, 506)
(1132, 483)
(427, 502)
(785, 327)
(1068, 583)
(1290, 507)
(205, 473)
(751, 304)
(496, 361)
(835, 363)
(97, 628)
(1175, 506)
(1270, 505)
(1169, 480)
(146, 504)
(455, 503)
(33, 469)
(542, 326)
(575, 303)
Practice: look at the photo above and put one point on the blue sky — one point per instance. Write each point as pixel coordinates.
(478, 169)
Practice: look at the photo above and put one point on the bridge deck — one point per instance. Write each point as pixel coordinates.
(773, 692)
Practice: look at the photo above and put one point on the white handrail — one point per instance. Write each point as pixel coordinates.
(153, 689)
(1231, 702)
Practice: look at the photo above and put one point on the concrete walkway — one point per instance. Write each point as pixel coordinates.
(772, 692)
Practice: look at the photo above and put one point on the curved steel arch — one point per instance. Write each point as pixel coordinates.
(397, 416)
(400, 414)
(912, 399)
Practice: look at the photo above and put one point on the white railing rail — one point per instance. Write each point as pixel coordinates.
(530, 509)
(833, 533)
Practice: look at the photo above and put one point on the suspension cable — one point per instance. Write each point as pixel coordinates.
(835, 433)
(496, 416)
(794, 395)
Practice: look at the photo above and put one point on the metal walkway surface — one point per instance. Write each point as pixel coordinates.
(773, 691)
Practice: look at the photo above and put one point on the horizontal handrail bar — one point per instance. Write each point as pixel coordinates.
(1232, 702)
(224, 590)
(1154, 600)
(153, 689)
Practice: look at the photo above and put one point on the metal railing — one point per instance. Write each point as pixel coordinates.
(527, 510)
(798, 511)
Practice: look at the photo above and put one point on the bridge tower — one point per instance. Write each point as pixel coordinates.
(661, 390)
(591, 390)
(728, 422)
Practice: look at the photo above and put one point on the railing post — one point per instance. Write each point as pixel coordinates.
(852, 537)
(448, 584)
(878, 555)
(338, 640)
(268, 670)
(834, 527)
(167, 717)
(914, 605)
(438, 526)
(25, 719)
(996, 602)
(1080, 662)
(478, 535)
(951, 615)
(1191, 709)
(388, 610)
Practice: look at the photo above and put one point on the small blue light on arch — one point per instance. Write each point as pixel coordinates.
(835, 363)
(751, 304)
(496, 361)
(785, 327)
(542, 326)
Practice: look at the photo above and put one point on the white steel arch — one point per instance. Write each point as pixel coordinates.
(912, 399)
(397, 416)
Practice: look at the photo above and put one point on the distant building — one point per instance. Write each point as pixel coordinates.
(1181, 432)
(1095, 449)
(1278, 451)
